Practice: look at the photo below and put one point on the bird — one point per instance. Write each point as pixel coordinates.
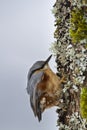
(43, 86)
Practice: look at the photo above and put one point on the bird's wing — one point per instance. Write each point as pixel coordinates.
(34, 93)
(33, 81)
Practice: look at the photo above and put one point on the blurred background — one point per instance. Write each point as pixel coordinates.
(26, 34)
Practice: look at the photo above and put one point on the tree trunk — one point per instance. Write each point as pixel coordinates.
(70, 49)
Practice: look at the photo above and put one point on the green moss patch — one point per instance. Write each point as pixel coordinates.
(78, 26)
(83, 103)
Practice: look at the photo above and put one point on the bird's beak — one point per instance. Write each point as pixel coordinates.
(47, 60)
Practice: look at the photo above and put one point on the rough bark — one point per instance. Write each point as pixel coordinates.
(71, 59)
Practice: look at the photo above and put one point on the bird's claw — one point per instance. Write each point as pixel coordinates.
(63, 79)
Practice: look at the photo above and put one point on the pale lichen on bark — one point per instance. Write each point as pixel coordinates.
(71, 59)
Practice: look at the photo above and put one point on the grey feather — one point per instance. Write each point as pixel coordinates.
(34, 94)
(33, 81)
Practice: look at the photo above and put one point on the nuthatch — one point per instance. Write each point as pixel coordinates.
(43, 86)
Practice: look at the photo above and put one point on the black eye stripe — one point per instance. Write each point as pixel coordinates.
(41, 66)
(35, 70)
